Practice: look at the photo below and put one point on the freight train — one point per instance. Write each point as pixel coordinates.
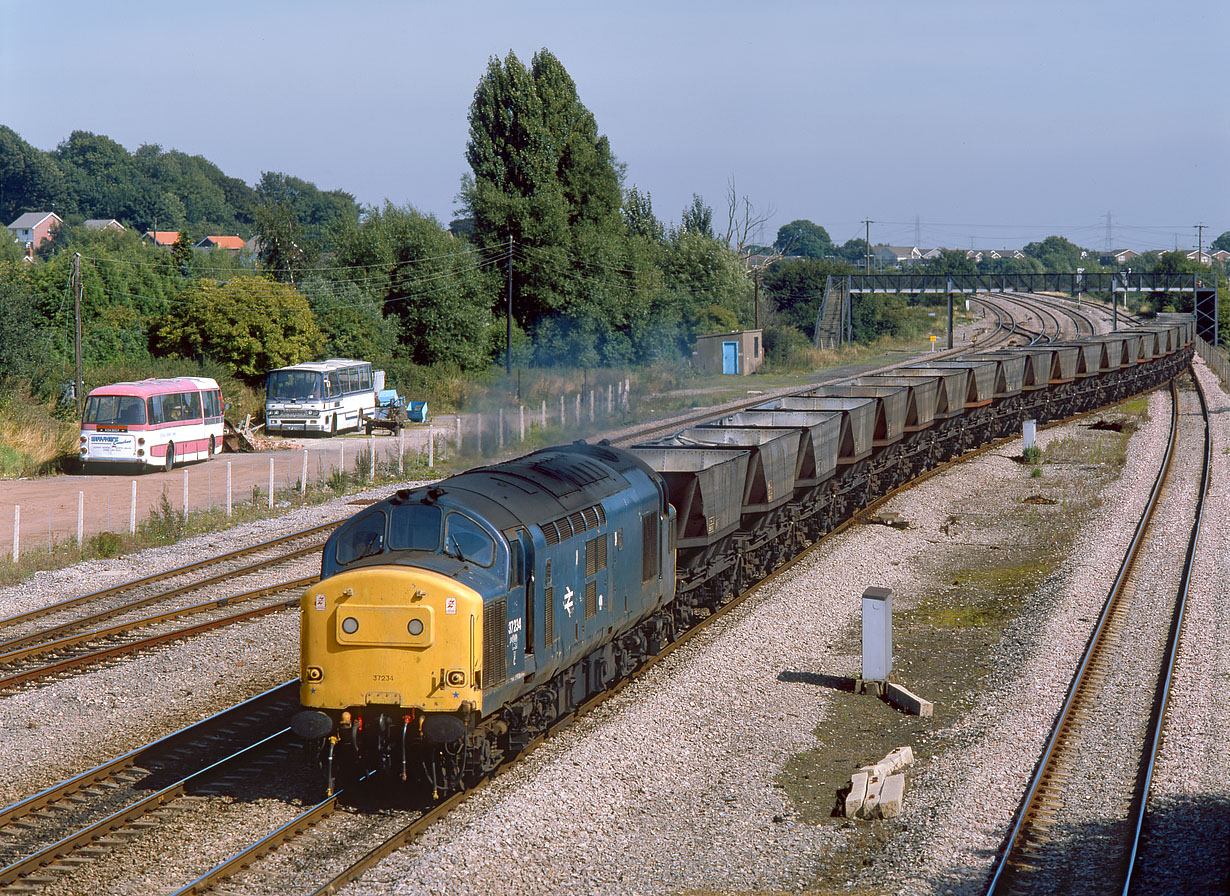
(455, 622)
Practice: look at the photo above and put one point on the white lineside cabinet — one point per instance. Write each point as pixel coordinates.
(877, 633)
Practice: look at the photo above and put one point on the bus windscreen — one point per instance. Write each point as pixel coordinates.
(293, 385)
(114, 410)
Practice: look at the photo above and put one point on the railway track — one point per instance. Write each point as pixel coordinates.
(1080, 825)
(299, 825)
(52, 658)
(84, 817)
(311, 820)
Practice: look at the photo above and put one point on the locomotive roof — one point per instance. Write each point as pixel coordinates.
(543, 485)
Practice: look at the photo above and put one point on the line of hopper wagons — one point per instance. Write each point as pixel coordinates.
(755, 487)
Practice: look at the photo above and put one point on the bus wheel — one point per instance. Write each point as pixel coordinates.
(333, 426)
(212, 445)
(170, 463)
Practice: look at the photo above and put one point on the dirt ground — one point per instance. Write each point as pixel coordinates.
(51, 503)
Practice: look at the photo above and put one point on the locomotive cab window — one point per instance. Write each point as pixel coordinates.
(466, 540)
(415, 527)
(363, 537)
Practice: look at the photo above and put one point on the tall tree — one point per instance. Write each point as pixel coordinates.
(543, 176)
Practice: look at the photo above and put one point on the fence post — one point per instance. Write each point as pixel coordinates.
(132, 510)
(478, 429)
(16, 531)
(563, 417)
(521, 413)
(228, 489)
(303, 477)
(609, 400)
(578, 409)
(544, 413)
(401, 443)
(501, 439)
(431, 447)
(458, 435)
(271, 483)
(80, 519)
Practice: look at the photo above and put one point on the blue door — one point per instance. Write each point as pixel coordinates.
(730, 357)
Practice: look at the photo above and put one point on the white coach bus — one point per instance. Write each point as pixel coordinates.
(320, 396)
(154, 423)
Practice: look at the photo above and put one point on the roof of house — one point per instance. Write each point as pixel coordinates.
(102, 224)
(222, 242)
(31, 220)
(163, 237)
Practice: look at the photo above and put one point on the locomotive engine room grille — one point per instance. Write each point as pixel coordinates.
(575, 523)
(495, 622)
(548, 597)
(595, 555)
(591, 599)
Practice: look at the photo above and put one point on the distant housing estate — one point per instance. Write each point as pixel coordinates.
(33, 229)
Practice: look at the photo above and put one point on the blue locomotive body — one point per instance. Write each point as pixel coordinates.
(484, 606)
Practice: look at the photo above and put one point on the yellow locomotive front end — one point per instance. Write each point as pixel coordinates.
(390, 661)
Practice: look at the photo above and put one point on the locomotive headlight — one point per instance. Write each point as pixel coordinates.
(350, 625)
(315, 673)
(456, 678)
(415, 627)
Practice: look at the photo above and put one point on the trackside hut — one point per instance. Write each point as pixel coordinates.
(739, 352)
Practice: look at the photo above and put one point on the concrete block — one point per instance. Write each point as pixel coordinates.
(857, 794)
(871, 805)
(899, 758)
(891, 795)
(907, 702)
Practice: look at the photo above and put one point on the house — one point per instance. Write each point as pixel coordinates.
(1119, 256)
(1221, 256)
(738, 352)
(161, 237)
(233, 243)
(897, 255)
(34, 228)
(254, 245)
(1202, 257)
(104, 224)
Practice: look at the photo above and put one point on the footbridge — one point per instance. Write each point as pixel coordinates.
(833, 317)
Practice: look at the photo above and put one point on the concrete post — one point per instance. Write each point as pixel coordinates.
(1029, 432)
(80, 519)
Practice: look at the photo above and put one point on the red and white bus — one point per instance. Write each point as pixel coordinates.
(153, 423)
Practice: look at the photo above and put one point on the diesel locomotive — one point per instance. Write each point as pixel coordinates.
(455, 622)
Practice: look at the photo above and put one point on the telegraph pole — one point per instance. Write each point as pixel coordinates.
(868, 222)
(508, 338)
(77, 338)
(1200, 242)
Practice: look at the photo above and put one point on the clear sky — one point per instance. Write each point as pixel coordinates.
(966, 122)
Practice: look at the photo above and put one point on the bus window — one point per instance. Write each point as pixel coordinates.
(192, 405)
(365, 378)
(332, 385)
